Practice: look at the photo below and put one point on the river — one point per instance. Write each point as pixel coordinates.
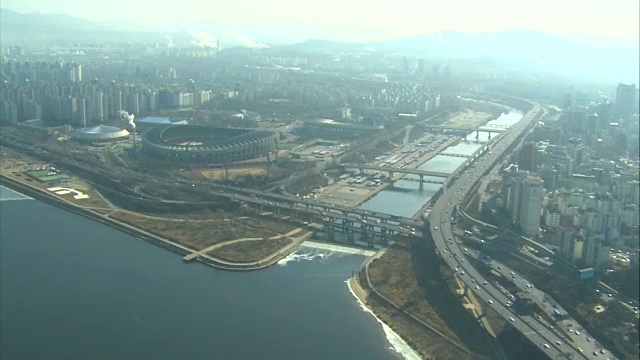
(72, 288)
(405, 198)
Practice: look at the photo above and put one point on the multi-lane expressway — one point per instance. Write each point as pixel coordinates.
(442, 233)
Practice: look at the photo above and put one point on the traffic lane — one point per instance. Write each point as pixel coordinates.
(539, 335)
(587, 343)
(441, 241)
(471, 271)
(539, 326)
(582, 341)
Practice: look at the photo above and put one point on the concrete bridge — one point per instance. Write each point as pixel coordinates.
(391, 171)
(489, 128)
(353, 224)
(455, 155)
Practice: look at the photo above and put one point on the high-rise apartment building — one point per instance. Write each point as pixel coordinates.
(626, 99)
(528, 159)
(522, 194)
(595, 253)
(571, 245)
(530, 206)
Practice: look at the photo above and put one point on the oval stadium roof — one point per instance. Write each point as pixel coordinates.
(159, 120)
(101, 129)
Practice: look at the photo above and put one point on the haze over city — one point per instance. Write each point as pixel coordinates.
(456, 180)
(356, 20)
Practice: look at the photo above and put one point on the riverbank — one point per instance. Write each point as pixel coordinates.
(431, 321)
(152, 237)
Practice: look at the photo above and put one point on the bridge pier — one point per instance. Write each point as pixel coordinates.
(489, 134)
(465, 289)
(350, 232)
(483, 311)
(331, 229)
(421, 182)
(346, 225)
(390, 174)
(384, 235)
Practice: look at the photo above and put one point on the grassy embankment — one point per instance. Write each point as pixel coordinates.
(250, 251)
(203, 230)
(413, 279)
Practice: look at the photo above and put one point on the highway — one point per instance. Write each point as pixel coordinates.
(446, 246)
(579, 336)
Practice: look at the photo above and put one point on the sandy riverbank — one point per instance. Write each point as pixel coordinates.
(397, 343)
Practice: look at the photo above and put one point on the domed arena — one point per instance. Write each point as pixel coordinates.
(100, 133)
(198, 143)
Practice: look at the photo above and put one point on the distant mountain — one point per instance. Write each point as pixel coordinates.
(11, 21)
(328, 46)
(56, 29)
(51, 29)
(601, 57)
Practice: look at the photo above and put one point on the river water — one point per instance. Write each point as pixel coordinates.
(72, 288)
(405, 198)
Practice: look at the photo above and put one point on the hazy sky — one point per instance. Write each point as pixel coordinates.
(360, 19)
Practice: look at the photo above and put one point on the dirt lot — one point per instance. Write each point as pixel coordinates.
(234, 174)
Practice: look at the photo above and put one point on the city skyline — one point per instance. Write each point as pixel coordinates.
(333, 20)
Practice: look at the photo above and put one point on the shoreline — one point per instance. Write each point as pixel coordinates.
(398, 344)
(182, 250)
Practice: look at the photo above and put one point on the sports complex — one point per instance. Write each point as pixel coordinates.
(100, 133)
(198, 143)
(337, 129)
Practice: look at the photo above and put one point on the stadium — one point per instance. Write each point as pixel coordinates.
(197, 143)
(146, 123)
(100, 133)
(336, 129)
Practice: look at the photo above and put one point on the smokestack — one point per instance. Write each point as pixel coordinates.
(129, 118)
(130, 121)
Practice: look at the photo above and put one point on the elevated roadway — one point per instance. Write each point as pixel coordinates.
(393, 170)
(442, 234)
(466, 130)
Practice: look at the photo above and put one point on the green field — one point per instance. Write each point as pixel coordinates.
(47, 175)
